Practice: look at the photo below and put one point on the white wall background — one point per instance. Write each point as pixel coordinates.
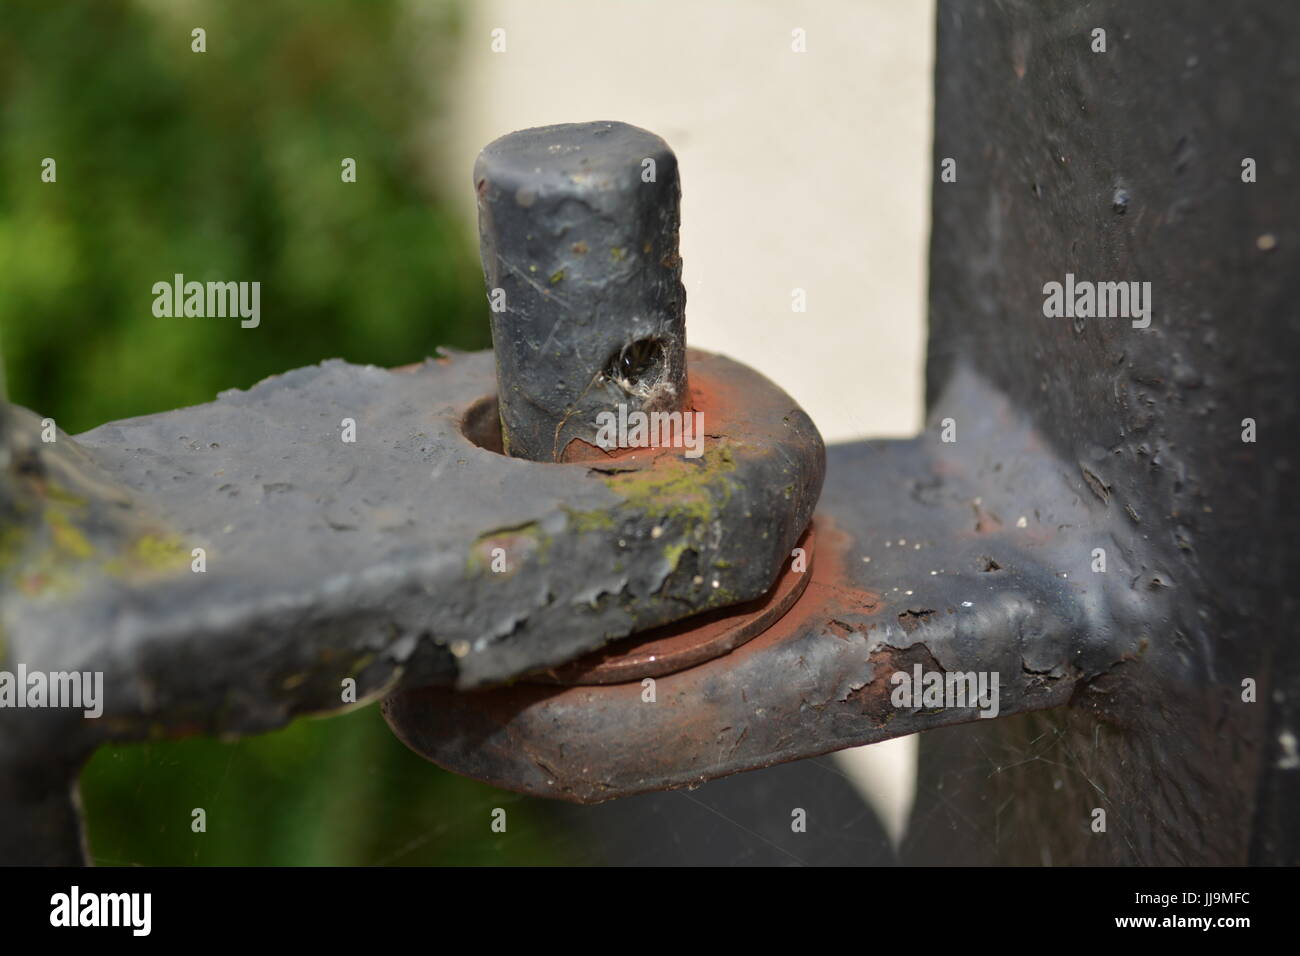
(799, 170)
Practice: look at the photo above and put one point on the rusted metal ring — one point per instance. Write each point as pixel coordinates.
(694, 640)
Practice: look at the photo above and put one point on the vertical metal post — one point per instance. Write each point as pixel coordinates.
(1100, 141)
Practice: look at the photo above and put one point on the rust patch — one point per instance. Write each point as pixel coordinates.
(830, 600)
(873, 698)
(910, 620)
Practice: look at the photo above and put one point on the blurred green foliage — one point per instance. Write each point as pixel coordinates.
(222, 165)
(340, 790)
(225, 165)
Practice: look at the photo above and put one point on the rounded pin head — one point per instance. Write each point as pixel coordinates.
(578, 231)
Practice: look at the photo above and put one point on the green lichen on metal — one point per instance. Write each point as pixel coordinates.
(585, 521)
(684, 497)
(56, 493)
(41, 554)
(679, 488)
(678, 497)
(69, 541)
(56, 554)
(13, 539)
(674, 501)
(673, 554)
(158, 553)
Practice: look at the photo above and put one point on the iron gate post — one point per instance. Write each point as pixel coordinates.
(1127, 165)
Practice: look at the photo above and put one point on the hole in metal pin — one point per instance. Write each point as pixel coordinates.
(637, 364)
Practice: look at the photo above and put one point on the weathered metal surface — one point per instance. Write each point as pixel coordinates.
(929, 554)
(693, 640)
(578, 227)
(326, 559)
(1124, 166)
(370, 560)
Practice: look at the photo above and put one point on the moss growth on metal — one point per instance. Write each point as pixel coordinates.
(56, 493)
(68, 540)
(53, 554)
(679, 488)
(158, 553)
(148, 554)
(12, 541)
(673, 553)
(584, 521)
(685, 496)
(682, 496)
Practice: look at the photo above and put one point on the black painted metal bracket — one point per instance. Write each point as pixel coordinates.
(230, 566)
